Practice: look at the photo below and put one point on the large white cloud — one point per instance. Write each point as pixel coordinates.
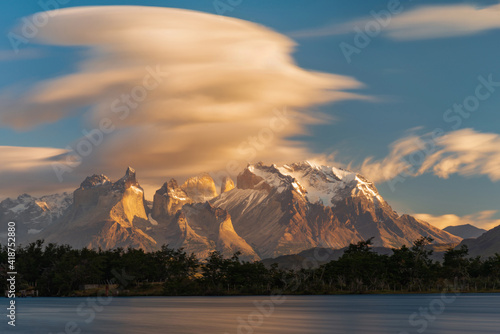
(178, 92)
(420, 23)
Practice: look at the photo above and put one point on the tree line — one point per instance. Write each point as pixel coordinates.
(60, 270)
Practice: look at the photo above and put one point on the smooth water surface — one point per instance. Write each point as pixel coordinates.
(432, 314)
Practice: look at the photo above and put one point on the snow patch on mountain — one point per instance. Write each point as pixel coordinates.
(19, 208)
(46, 208)
(271, 176)
(136, 190)
(319, 184)
(34, 231)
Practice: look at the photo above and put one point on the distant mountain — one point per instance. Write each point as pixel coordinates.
(466, 231)
(32, 214)
(270, 211)
(485, 245)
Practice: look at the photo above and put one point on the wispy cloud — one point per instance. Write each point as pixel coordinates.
(328, 30)
(465, 152)
(421, 23)
(29, 169)
(444, 21)
(221, 81)
(482, 219)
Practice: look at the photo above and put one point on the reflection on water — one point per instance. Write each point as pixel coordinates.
(479, 313)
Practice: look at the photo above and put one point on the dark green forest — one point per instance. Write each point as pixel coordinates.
(59, 270)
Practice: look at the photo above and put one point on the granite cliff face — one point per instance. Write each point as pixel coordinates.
(271, 211)
(186, 219)
(201, 228)
(104, 214)
(227, 185)
(169, 199)
(200, 188)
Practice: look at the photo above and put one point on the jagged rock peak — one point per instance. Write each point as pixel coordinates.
(200, 188)
(168, 187)
(127, 181)
(169, 199)
(227, 184)
(24, 196)
(130, 172)
(94, 181)
(172, 189)
(171, 184)
(129, 175)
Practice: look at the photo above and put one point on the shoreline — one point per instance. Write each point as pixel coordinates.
(374, 293)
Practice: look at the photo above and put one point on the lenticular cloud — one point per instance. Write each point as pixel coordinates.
(176, 92)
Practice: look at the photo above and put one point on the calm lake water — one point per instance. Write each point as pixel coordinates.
(443, 314)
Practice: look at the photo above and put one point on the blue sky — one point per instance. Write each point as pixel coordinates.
(410, 81)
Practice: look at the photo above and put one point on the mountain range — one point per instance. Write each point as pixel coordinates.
(268, 211)
(465, 231)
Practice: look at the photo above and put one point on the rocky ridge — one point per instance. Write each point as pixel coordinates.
(270, 211)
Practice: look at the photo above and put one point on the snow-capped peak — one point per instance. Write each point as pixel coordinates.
(271, 175)
(318, 183)
(94, 181)
(41, 210)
